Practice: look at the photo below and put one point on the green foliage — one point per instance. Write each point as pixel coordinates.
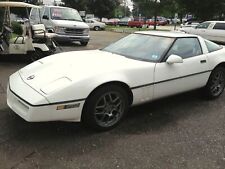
(17, 28)
(101, 8)
(201, 9)
(204, 9)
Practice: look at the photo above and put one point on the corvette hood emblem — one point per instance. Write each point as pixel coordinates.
(31, 77)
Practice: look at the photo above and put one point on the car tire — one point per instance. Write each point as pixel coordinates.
(36, 55)
(96, 28)
(105, 108)
(83, 43)
(216, 83)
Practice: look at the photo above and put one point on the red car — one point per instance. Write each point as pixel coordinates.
(159, 21)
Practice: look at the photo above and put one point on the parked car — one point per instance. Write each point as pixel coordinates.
(161, 21)
(124, 21)
(104, 20)
(95, 25)
(65, 22)
(97, 87)
(211, 30)
(137, 22)
(189, 25)
(112, 21)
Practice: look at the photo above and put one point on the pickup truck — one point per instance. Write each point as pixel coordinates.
(211, 30)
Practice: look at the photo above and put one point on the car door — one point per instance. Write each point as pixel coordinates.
(180, 77)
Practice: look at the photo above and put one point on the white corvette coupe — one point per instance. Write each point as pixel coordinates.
(97, 87)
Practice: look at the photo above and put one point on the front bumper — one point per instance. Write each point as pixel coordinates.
(71, 38)
(33, 107)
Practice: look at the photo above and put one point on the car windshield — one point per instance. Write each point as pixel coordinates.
(141, 47)
(65, 14)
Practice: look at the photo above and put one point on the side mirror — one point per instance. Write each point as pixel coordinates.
(45, 17)
(174, 59)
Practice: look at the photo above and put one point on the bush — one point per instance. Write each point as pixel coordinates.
(17, 28)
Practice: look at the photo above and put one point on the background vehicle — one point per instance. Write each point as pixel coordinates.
(211, 30)
(159, 21)
(124, 21)
(112, 21)
(189, 25)
(32, 39)
(65, 22)
(95, 25)
(137, 22)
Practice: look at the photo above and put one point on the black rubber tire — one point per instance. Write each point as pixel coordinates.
(89, 118)
(97, 28)
(208, 89)
(37, 54)
(83, 43)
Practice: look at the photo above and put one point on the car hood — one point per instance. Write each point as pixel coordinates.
(71, 67)
(70, 24)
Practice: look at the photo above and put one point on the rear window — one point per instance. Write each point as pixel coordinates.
(212, 46)
(220, 26)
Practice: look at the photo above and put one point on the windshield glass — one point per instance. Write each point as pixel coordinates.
(141, 47)
(65, 14)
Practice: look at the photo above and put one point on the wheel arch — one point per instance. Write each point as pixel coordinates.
(222, 64)
(117, 83)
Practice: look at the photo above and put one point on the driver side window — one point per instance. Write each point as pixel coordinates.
(186, 48)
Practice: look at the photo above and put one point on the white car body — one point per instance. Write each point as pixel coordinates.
(55, 88)
(213, 30)
(96, 25)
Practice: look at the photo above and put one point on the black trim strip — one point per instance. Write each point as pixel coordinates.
(49, 104)
(163, 81)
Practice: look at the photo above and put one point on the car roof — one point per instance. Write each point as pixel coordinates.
(17, 4)
(53, 6)
(166, 34)
(216, 21)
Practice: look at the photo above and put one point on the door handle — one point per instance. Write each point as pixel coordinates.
(203, 61)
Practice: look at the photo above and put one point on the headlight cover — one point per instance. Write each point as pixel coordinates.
(56, 85)
(59, 29)
(86, 31)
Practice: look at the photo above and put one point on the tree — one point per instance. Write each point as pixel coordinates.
(204, 9)
(100, 8)
(103, 8)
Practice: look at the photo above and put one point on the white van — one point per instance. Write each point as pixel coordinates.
(211, 30)
(65, 22)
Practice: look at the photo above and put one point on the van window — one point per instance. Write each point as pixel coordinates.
(46, 12)
(65, 14)
(34, 14)
(220, 26)
(212, 46)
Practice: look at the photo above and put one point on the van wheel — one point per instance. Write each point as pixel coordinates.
(37, 54)
(83, 43)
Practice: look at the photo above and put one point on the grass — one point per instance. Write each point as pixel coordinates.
(126, 29)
